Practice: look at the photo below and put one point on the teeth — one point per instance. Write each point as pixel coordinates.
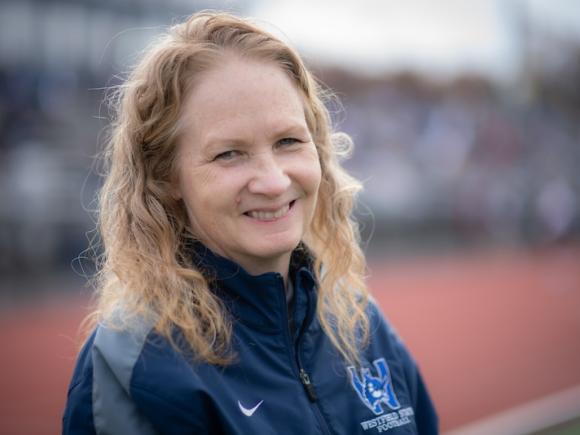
(270, 215)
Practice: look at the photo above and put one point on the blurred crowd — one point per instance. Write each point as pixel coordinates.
(468, 159)
(458, 161)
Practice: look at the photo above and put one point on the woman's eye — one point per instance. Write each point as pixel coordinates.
(288, 141)
(227, 155)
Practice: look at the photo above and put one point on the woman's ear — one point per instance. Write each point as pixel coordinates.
(173, 187)
(175, 191)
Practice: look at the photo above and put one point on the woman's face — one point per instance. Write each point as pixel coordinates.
(248, 170)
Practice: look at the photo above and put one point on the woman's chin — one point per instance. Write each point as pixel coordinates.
(270, 250)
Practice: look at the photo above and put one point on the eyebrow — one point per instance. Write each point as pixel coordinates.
(212, 141)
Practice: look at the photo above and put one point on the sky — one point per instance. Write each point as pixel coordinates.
(442, 38)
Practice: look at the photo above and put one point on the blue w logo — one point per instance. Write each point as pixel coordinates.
(374, 391)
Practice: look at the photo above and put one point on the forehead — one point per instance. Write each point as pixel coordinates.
(238, 95)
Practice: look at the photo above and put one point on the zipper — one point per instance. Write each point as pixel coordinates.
(307, 385)
(295, 352)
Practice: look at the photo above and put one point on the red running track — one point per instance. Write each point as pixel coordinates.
(490, 331)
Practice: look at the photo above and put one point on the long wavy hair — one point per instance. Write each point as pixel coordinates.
(146, 270)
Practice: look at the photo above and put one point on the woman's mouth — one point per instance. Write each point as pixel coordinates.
(270, 215)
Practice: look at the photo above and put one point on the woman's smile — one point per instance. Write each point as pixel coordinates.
(270, 214)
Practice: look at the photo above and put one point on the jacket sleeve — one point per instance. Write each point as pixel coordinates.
(99, 399)
(425, 415)
(78, 413)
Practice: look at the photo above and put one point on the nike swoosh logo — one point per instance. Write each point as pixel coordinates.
(249, 412)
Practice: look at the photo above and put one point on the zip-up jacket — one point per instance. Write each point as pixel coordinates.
(287, 378)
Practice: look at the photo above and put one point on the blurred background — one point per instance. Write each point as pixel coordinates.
(466, 121)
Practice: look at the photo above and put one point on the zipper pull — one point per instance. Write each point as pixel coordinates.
(307, 385)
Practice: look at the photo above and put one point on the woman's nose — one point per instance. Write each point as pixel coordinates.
(270, 178)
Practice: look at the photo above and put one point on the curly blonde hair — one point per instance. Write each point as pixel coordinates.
(146, 270)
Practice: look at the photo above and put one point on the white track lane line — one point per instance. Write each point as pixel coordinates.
(530, 417)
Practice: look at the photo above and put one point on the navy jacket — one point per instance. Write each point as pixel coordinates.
(287, 377)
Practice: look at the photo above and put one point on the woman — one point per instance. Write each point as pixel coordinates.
(232, 298)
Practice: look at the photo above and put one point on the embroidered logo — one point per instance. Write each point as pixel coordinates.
(374, 391)
(249, 412)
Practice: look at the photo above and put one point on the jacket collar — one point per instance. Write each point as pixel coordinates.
(259, 301)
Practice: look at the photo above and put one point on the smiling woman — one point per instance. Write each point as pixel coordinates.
(250, 194)
(231, 297)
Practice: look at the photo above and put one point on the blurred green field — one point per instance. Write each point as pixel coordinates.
(569, 428)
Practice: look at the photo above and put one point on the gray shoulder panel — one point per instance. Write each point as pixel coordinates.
(114, 355)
